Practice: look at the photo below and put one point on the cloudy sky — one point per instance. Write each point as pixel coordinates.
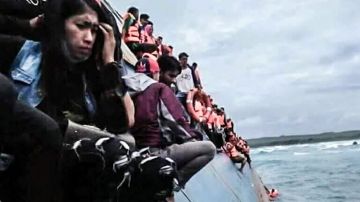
(279, 67)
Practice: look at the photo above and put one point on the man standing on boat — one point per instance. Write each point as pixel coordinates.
(184, 81)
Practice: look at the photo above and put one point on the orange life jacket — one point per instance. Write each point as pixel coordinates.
(190, 107)
(221, 119)
(229, 124)
(147, 39)
(132, 34)
(149, 55)
(231, 150)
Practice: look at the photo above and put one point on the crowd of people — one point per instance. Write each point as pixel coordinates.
(73, 127)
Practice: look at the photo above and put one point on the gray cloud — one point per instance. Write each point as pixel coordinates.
(279, 67)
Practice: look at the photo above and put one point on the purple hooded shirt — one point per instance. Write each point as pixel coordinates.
(159, 119)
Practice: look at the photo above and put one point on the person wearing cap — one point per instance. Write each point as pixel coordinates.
(160, 124)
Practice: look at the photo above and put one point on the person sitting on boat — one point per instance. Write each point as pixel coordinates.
(230, 149)
(242, 146)
(184, 81)
(229, 125)
(196, 75)
(148, 41)
(72, 75)
(144, 19)
(130, 30)
(169, 69)
(160, 123)
(160, 45)
(171, 48)
(147, 35)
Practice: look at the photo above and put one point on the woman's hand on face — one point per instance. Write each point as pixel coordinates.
(109, 43)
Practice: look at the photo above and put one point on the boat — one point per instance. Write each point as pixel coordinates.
(221, 179)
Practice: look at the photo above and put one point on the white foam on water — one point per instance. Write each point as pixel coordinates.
(300, 153)
(332, 151)
(334, 145)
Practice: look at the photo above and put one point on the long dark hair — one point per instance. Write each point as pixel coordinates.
(55, 63)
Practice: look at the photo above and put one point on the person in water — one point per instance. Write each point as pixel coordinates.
(71, 75)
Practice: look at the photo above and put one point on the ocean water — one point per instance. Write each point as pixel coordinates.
(328, 171)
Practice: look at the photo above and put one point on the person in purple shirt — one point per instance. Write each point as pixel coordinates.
(160, 124)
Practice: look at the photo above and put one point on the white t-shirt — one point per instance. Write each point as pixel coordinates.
(184, 80)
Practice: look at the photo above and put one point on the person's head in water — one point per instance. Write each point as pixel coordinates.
(73, 28)
(169, 69)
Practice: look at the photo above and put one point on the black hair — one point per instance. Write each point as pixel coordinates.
(168, 63)
(144, 16)
(194, 64)
(55, 60)
(183, 54)
(133, 11)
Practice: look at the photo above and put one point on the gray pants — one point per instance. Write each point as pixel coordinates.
(190, 157)
(76, 131)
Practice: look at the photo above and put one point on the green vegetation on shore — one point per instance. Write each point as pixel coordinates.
(304, 139)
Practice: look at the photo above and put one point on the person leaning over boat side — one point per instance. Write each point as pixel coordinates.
(160, 124)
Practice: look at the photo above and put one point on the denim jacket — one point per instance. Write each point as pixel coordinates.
(25, 72)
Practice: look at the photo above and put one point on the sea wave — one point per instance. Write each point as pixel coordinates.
(330, 174)
(300, 153)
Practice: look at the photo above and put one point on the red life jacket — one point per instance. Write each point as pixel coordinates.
(273, 194)
(229, 124)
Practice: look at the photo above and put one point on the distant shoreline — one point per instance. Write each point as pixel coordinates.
(304, 139)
